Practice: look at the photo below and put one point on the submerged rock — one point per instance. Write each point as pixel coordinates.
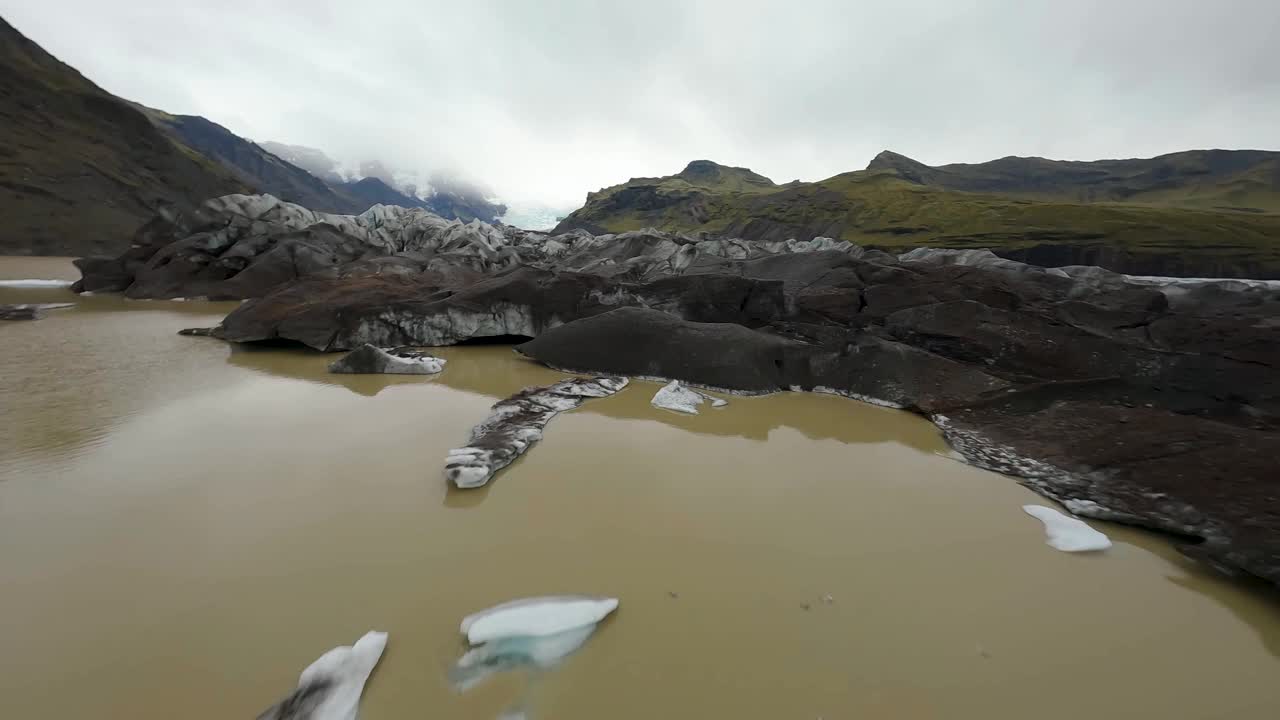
(516, 423)
(1065, 533)
(30, 311)
(371, 359)
(536, 617)
(677, 397)
(330, 688)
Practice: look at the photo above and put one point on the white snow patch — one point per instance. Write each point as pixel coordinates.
(536, 617)
(35, 283)
(1065, 533)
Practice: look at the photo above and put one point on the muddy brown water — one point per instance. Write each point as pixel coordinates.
(185, 525)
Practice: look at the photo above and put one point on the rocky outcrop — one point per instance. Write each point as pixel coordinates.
(516, 424)
(373, 360)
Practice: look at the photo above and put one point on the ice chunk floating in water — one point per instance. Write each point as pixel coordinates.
(533, 633)
(536, 617)
(677, 397)
(516, 424)
(515, 653)
(1065, 533)
(371, 359)
(35, 283)
(330, 687)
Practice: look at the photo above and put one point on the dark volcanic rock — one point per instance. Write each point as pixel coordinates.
(334, 313)
(1140, 465)
(649, 343)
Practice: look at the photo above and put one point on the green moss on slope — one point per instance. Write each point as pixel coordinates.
(884, 209)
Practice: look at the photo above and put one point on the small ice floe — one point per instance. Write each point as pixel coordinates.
(516, 424)
(533, 633)
(1065, 533)
(330, 688)
(35, 283)
(677, 397)
(536, 617)
(371, 359)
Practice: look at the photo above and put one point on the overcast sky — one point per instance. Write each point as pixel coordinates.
(544, 100)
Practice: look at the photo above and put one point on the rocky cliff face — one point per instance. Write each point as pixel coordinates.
(80, 169)
(1149, 402)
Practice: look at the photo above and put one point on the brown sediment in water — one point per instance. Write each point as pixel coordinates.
(187, 525)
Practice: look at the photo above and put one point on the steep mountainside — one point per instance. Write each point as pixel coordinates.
(373, 191)
(310, 159)
(254, 165)
(1244, 180)
(897, 207)
(444, 195)
(80, 169)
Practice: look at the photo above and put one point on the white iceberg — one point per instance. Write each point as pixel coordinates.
(330, 687)
(35, 283)
(536, 617)
(677, 397)
(1065, 533)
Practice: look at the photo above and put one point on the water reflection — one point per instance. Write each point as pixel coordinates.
(498, 372)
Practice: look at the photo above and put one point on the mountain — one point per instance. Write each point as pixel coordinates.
(445, 195)
(254, 165)
(1243, 180)
(80, 169)
(310, 159)
(898, 203)
(372, 191)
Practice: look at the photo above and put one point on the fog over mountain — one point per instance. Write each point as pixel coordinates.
(546, 101)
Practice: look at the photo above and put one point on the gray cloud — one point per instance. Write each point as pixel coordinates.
(547, 100)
